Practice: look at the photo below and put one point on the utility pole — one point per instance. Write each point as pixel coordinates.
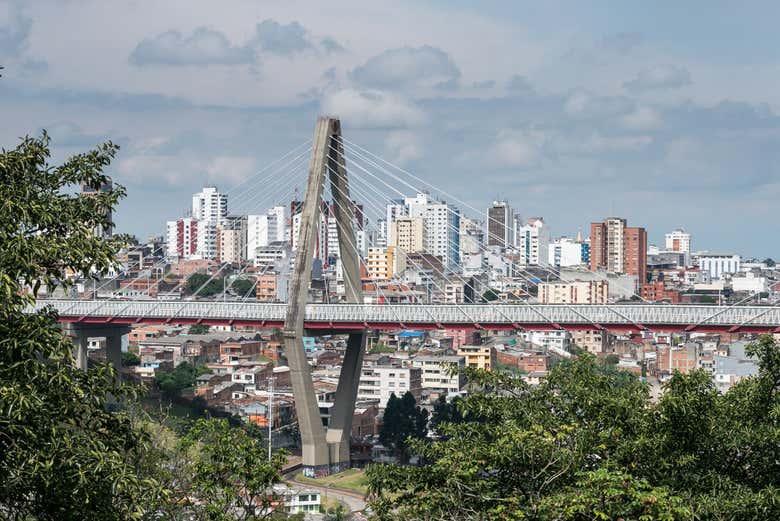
(270, 412)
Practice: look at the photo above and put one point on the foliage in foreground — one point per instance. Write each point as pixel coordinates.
(403, 420)
(589, 444)
(69, 446)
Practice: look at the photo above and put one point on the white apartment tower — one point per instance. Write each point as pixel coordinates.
(442, 227)
(533, 241)
(209, 208)
(209, 205)
(678, 240)
(264, 229)
(182, 237)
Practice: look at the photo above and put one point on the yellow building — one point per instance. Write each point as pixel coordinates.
(578, 292)
(384, 263)
(479, 357)
(408, 233)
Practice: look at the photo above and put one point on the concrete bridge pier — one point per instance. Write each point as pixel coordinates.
(324, 452)
(81, 333)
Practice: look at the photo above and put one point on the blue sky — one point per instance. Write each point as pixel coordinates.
(662, 112)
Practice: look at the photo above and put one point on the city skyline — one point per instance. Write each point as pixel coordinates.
(613, 112)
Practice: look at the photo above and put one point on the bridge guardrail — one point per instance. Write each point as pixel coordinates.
(426, 313)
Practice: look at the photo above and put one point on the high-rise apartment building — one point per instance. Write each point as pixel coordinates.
(678, 240)
(332, 245)
(231, 240)
(209, 208)
(564, 252)
(409, 234)
(442, 227)
(618, 248)
(209, 205)
(384, 263)
(262, 230)
(381, 233)
(182, 238)
(532, 243)
(499, 225)
(395, 209)
(471, 236)
(207, 240)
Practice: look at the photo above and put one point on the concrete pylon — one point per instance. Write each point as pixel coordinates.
(324, 454)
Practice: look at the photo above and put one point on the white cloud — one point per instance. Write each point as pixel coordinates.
(658, 78)
(582, 104)
(145, 165)
(424, 66)
(597, 143)
(171, 170)
(372, 109)
(641, 118)
(273, 37)
(231, 169)
(203, 47)
(403, 146)
(518, 148)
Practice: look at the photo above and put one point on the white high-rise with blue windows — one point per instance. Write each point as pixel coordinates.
(442, 227)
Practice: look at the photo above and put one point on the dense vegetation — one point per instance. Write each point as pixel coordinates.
(182, 377)
(203, 285)
(588, 443)
(72, 443)
(403, 420)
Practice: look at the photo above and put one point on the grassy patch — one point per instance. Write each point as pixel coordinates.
(352, 480)
(331, 503)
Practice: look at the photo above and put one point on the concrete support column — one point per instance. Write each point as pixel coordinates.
(114, 352)
(81, 333)
(340, 428)
(80, 350)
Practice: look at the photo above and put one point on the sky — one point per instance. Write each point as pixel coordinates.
(665, 113)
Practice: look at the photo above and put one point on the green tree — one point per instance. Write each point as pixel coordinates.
(490, 295)
(242, 286)
(202, 285)
(130, 359)
(231, 476)
(403, 420)
(588, 443)
(198, 329)
(445, 412)
(64, 454)
(183, 376)
(337, 513)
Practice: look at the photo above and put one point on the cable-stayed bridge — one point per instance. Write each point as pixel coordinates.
(364, 299)
(625, 318)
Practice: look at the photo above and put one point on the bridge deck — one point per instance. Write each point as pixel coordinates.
(426, 316)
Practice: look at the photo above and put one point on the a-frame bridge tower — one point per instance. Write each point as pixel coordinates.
(324, 451)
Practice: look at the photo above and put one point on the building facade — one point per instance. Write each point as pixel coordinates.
(380, 381)
(532, 243)
(499, 224)
(409, 234)
(577, 292)
(618, 248)
(384, 263)
(678, 240)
